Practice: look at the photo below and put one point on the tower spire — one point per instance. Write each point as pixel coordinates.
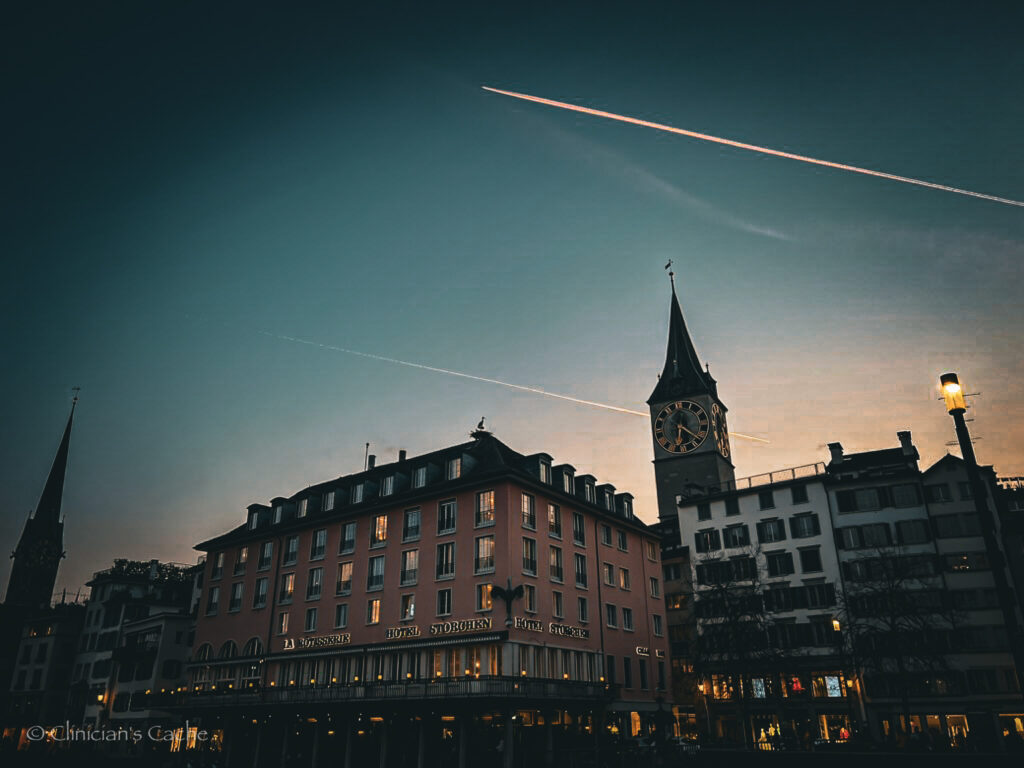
(48, 509)
(682, 372)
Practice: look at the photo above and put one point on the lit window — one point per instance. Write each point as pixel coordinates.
(287, 590)
(373, 611)
(484, 560)
(282, 623)
(344, 582)
(485, 508)
(555, 564)
(483, 597)
(554, 521)
(624, 582)
(240, 560)
(529, 512)
(379, 532)
(410, 567)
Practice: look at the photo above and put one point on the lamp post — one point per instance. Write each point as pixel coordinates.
(701, 686)
(956, 405)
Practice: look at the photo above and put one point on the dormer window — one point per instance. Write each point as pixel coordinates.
(588, 492)
(253, 520)
(607, 499)
(419, 477)
(388, 486)
(303, 508)
(567, 482)
(545, 471)
(356, 494)
(627, 507)
(454, 469)
(278, 513)
(328, 501)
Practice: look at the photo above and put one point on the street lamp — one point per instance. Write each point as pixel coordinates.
(707, 713)
(953, 394)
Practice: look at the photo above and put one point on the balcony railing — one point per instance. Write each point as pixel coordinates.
(754, 481)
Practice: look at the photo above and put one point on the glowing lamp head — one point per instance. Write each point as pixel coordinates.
(700, 687)
(836, 626)
(952, 392)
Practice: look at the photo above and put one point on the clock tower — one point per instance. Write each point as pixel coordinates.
(41, 546)
(688, 425)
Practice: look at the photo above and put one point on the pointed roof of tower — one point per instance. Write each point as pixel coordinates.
(682, 374)
(50, 501)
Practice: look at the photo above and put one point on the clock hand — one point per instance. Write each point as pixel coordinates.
(688, 431)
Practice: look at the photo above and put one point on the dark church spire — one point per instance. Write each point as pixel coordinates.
(682, 374)
(41, 546)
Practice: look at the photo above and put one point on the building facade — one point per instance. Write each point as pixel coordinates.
(484, 600)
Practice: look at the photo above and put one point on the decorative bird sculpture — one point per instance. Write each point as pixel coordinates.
(509, 594)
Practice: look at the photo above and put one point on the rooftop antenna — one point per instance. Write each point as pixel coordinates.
(366, 457)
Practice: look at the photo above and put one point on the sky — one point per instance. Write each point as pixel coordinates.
(183, 186)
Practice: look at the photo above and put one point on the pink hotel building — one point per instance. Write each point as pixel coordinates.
(440, 606)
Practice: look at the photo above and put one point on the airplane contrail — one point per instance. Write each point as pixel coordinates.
(751, 147)
(520, 387)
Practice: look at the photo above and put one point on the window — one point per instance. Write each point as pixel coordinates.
(905, 495)
(410, 567)
(810, 560)
(341, 615)
(703, 511)
(771, 530)
(278, 513)
(875, 535)
(623, 541)
(529, 556)
(356, 494)
(411, 524)
(387, 487)
(328, 501)
(408, 607)
(606, 535)
(963, 562)
(624, 578)
(234, 601)
(545, 472)
(445, 561)
(287, 590)
(554, 521)
(484, 602)
(529, 512)
(736, 536)
(608, 571)
(867, 500)
(240, 560)
(965, 491)
(567, 481)
(266, 556)
(611, 615)
(315, 584)
(348, 539)
(582, 610)
(952, 526)
(659, 630)
(419, 477)
(581, 570)
(282, 623)
(259, 595)
(766, 500)
(303, 508)
(913, 532)
(732, 506)
(579, 533)
(938, 493)
(484, 508)
(627, 619)
(379, 531)
(311, 620)
(318, 544)
(799, 494)
(218, 566)
(804, 526)
(446, 511)
(375, 573)
(344, 582)
(373, 611)
(484, 560)
(707, 540)
(555, 564)
(557, 605)
(212, 601)
(444, 602)
(655, 587)
(588, 491)
(530, 598)
(779, 563)
(254, 520)
(291, 550)
(453, 469)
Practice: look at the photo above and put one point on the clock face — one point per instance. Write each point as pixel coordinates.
(681, 427)
(721, 430)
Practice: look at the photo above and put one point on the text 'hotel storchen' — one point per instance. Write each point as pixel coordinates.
(485, 599)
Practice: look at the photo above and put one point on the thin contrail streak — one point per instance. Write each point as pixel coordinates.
(520, 387)
(751, 147)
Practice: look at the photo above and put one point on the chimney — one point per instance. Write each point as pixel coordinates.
(836, 449)
(371, 460)
(401, 454)
(905, 442)
(153, 569)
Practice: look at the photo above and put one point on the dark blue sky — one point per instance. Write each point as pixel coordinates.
(179, 178)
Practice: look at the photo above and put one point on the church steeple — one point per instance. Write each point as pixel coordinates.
(682, 374)
(41, 546)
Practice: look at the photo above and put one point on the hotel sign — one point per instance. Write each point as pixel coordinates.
(460, 626)
(565, 630)
(530, 625)
(400, 633)
(322, 641)
(643, 650)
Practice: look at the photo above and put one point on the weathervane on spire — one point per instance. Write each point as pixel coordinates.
(74, 398)
(671, 275)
